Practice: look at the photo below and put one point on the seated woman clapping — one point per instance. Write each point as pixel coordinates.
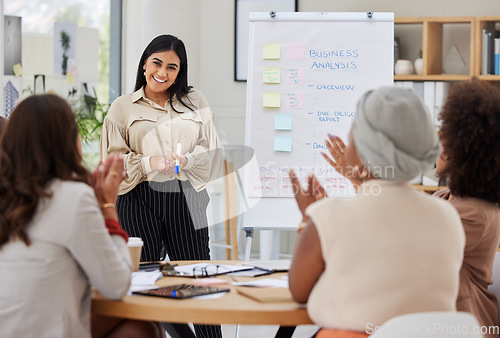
(391, 249)
(59, 231)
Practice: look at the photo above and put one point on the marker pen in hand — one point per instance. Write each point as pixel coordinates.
(177, 161)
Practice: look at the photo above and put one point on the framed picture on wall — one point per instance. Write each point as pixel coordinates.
(242, 8)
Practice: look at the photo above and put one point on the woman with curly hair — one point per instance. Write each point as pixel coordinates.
(471, 164)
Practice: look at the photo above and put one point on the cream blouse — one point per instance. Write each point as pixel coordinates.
(46, 287)
(140, 128)
(388, 251)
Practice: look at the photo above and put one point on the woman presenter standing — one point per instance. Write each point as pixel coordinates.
(167, 132)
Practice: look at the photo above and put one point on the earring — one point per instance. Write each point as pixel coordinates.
(364, 173)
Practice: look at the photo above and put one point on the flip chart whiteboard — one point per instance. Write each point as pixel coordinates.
(306, 73)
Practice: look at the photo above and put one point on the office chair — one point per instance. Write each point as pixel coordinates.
(430, 324)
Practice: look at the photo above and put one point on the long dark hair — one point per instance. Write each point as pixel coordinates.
(3, 123)
(469, 131)
(38, 145)
(164, 43)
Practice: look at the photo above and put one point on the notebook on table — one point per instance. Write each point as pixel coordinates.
(265, 295)
(181, 291)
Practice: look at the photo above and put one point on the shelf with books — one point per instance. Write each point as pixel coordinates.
(435, 77)
(487, 33)
(436, 34)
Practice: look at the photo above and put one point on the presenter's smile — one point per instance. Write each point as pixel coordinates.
(158, 80)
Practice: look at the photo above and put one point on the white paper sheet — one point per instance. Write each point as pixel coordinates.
(144, 280)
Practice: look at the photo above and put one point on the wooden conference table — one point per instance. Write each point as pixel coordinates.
(231, 308)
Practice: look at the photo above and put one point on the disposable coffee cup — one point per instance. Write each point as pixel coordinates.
(135, 248)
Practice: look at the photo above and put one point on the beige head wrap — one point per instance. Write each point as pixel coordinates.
(394, 134)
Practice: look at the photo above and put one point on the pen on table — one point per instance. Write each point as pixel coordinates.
(177, 161)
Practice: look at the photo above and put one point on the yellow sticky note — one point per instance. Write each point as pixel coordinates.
(271, 75)
(272, 99)
(271, 51)
(70, 78)
(18, 70)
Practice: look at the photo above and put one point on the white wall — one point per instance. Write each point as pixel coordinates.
(207, 29)
(226, 97)
(406, 8)
(145, 19)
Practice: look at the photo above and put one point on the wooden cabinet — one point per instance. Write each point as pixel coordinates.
(484, 22)
(433, 31)
(434, 35)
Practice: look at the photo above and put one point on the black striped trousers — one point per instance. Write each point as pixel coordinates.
(171, 218)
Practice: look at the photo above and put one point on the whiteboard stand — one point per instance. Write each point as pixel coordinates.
(269, 216)
(230, 187)
(269, 242)
(248, 245)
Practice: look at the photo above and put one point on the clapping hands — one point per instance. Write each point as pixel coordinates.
(311, 194)
(106, 179)
(336, 147)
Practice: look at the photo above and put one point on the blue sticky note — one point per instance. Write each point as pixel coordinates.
(283, 122)
(282, 143)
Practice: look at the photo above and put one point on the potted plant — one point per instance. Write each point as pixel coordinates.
(65, 40)
(89, 115)
(419, 64)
